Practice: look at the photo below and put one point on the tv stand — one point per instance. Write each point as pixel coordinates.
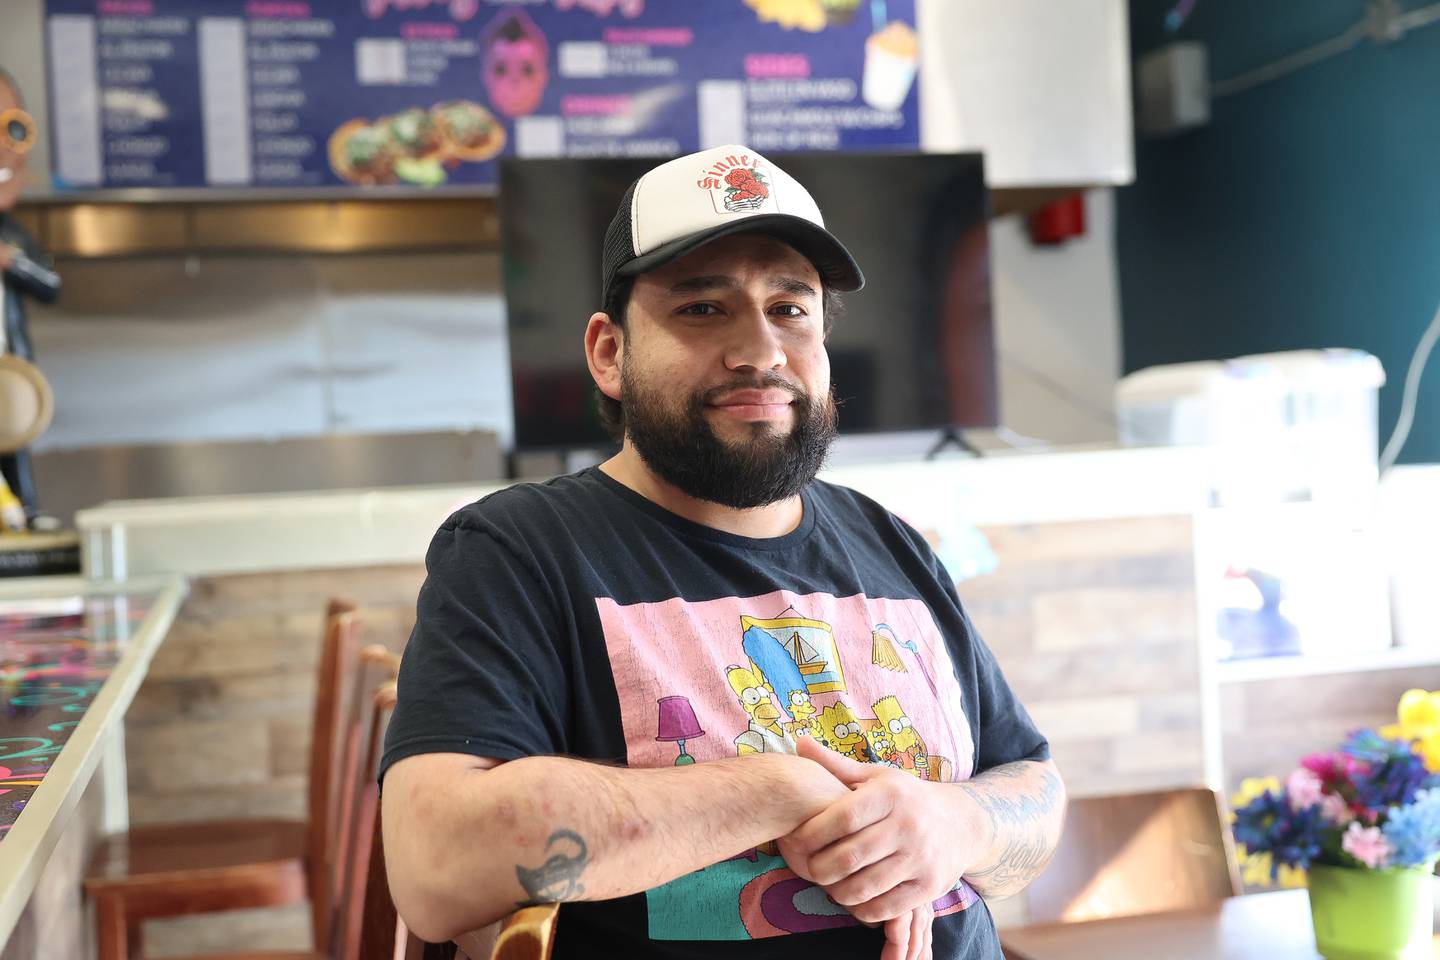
(952, 435)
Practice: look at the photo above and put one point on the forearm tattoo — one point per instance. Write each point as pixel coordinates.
(1022, 823)
(558, 878)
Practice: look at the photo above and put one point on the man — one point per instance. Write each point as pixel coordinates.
(24, 271)
(580, 644)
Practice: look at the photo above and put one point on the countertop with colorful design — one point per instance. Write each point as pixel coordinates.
(72, 655)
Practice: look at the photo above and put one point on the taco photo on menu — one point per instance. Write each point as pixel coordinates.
(362, 153)
(470, 131)
(415, 134)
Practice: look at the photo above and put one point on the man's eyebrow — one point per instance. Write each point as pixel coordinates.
(705, 284)
(793, 286)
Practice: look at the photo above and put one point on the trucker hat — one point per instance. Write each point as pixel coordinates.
(685, 203)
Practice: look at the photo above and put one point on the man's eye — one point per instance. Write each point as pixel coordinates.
(790, 309)
(700, 309)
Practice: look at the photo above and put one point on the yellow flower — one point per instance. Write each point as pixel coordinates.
(1419, 722)
(1255, 870)
(1292, 877)
(1252, 787)
(1418, 713)
(1428, 747)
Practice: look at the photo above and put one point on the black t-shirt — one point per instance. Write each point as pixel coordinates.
(576, 617)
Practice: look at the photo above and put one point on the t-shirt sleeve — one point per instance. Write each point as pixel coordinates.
(481, 674)
(1006, 731)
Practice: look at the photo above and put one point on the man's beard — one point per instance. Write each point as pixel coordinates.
(684, 451)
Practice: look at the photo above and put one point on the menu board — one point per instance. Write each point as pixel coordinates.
(430, 93)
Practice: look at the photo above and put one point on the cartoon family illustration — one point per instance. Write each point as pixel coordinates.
(790, 660)
(790, 681)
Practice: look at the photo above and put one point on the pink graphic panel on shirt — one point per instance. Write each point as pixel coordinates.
(870, 678)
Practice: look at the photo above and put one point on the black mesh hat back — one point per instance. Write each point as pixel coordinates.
(619, 246)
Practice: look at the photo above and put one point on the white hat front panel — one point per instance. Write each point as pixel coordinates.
(711, 189)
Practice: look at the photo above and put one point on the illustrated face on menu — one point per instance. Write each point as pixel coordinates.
(516, 68)
(17, 135)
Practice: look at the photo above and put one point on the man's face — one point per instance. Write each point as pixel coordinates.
(12, 164)
(725, 378)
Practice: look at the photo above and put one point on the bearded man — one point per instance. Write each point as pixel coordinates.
(589, 651)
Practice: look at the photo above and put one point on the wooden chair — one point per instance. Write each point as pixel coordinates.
(526, 934)
(366, 924)
(173, 869)
(1137, 853)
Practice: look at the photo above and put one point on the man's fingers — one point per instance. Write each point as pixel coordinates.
(848, 815)
(871, 883)
(929, 938)
(900, 898)
(847, 771)
(921, 919)
(897, 939)
(848, 856)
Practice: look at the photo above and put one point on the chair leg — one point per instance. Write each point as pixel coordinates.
(116, 937)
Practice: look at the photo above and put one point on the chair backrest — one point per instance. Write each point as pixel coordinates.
(339, 652)
(375, 666)
(1137, 853)
(369, 927)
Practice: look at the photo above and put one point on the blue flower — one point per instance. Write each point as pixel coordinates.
(1413, 831)
(1393, 773)
(1268, 825)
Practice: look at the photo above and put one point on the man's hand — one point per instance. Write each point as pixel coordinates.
(7, 256)
(874, 850)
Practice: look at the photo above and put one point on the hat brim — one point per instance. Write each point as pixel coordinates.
(838, 270)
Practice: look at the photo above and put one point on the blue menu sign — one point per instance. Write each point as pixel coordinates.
(287, 93)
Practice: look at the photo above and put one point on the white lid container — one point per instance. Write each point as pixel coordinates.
(1298, 424)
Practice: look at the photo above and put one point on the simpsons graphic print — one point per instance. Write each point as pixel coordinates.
(869, 678)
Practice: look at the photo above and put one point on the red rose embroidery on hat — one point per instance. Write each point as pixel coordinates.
(746, 189)
(736, 184)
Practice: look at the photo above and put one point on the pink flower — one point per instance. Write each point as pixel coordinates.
(1303, 788)
(1335, 810)
(1334, 768)
(1367, 845)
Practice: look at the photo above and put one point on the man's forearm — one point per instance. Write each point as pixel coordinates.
(547, 829)
(1022, 811)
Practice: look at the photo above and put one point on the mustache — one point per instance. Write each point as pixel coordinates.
(766, 381)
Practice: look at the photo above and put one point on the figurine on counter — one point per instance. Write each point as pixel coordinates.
(24, 270)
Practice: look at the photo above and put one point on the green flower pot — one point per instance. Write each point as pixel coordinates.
(1371, 914)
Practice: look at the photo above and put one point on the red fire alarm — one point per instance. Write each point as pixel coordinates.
(1057, 222)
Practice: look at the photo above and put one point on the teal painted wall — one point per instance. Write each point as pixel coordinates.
(1307, 214)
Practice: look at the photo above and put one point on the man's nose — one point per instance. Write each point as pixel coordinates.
(755, 343)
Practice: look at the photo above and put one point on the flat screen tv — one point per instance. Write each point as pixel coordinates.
(915, 349)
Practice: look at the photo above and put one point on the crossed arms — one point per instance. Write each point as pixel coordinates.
(468, 839)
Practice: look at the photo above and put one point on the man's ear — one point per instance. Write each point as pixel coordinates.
(604, 349)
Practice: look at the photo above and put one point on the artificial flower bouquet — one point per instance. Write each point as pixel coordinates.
(1360, 825)
(1371, 804)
